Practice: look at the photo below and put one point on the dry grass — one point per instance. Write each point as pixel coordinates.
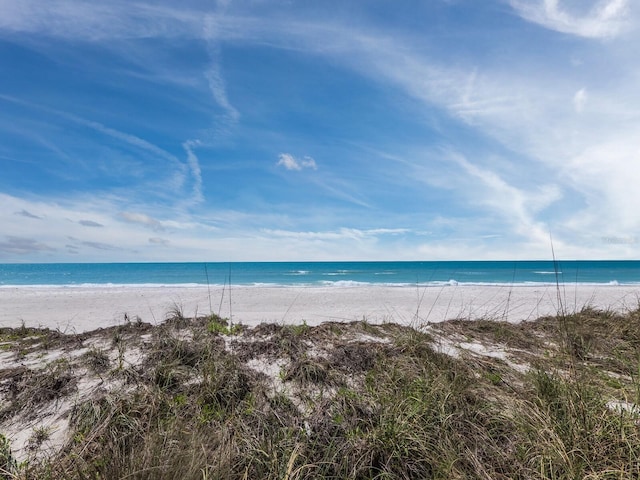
(350, 400)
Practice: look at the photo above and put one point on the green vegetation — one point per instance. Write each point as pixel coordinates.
(219, 325)
(8, 464)
(352, 401)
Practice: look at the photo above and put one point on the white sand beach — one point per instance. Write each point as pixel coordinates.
(78, 309)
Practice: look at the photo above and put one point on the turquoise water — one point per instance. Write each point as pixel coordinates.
(322, 273)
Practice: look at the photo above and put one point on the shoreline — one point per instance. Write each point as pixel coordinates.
(87, 308)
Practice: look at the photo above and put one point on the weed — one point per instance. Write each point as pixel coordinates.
(307, 371)
(220, 326)
(8, 464)
(176, 313)
(38, 437)
(299, 329)
(98, 360)
(355, 357)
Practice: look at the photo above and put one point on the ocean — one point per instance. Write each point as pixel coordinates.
(622, 272)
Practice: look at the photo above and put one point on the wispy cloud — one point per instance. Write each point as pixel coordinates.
(604, 18)
(141, 219)
(179, 169)
(516, 206)
(580, 100)
(194, 166)
(526, 130)
(537, 121)
(96, 21)
(289, 162)
(340, 234)
(219, 91)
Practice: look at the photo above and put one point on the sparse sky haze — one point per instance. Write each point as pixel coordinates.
(245, 130)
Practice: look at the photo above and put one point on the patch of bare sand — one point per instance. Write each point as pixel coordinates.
(80, 309)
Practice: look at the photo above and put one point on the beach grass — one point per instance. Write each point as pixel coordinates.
(197, 398)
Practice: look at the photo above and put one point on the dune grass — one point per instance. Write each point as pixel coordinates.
(203, 400)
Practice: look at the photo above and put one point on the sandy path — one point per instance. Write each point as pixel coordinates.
(83, 308)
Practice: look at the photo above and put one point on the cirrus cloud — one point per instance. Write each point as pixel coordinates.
(606, 18)
(142, 219)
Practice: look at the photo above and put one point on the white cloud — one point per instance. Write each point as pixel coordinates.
(340, 234)
(194, 166)
(62, 231)
(607, 174)
(96, 21)
(142, 219)
(604, 18)
(289, 162)
(580, 100)
(331, 235)
(532, 116)
(308, 162)
(517, 207)
(387, 231)
(219, 91)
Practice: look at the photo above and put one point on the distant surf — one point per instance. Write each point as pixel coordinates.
(339, 274)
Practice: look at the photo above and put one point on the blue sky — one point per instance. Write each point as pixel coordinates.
(243, 130)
